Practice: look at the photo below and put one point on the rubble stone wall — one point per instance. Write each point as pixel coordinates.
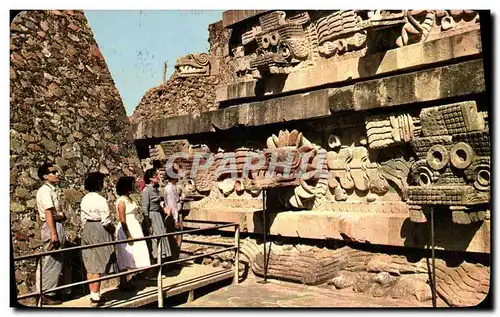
(64, 108)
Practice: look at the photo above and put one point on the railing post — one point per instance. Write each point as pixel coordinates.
(159, 280)
(433, 288)
(237, 254)
(39, 265)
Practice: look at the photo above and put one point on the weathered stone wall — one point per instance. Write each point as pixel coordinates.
(218, 37)
(189, 95)
(64, 108)
(178, 96)
(460, 282)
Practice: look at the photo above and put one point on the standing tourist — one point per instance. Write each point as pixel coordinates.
(97, 228)
(173, 205)
(131, 255)
(154, 214)
(52, 232)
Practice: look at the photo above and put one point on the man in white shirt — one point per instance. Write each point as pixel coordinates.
(53, 235)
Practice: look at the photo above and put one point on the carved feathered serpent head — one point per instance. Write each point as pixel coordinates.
(193, 65)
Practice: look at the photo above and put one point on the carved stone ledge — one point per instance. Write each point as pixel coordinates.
(447, 81)
(375, 228)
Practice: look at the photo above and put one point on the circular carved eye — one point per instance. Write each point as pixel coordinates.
(461, 155)
(342, 45)
(274, 39)
(334, 142)
(483, 177)
(424, 176)
(190, 186)
(437, 157)
(285, 51)
(265, 41)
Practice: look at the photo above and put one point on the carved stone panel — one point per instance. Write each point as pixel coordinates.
(282, 42)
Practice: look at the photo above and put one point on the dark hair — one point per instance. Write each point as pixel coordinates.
(157, 164)
(125, 185)
(94, 182)
(149, 174)
(44, 170)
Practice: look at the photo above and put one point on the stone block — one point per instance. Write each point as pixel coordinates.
(374, 228)
(343, 280)
(231, 17)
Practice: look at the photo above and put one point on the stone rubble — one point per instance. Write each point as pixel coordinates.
(64, 108)
(188, 95)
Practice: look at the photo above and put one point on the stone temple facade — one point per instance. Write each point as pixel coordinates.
(393, 102)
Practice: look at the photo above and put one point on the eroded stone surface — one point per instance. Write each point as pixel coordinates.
(275, 295)
(365, 272)
(64, 108)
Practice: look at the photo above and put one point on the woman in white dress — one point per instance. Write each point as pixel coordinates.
(131, 255)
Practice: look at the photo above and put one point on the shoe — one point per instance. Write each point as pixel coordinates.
(150, 278)
(175, 267)
(66, 297)
(47, 300)
(97, 303)
(126, 288)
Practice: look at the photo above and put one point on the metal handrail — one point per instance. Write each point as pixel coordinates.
(38, 256)
(90, 246)
(108, 277)
(208, 221)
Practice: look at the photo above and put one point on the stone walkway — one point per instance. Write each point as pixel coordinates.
(280, 294)
(190, 277)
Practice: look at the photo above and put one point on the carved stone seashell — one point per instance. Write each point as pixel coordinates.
(340, 194)
(239, 186)
(332, 182)
(299, 139)
(302, 193)
(283, 138)
(226, 186)
(275, 140)
(295, 202)
(270, 143)
(447, 23)
(334, 142)
(371, 197)
(306, 142)
(293, 139)
(306, 187)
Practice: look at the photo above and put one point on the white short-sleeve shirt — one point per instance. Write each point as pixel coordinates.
(47, 197)
(94, 207)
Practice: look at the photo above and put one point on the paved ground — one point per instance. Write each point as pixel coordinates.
(278, 294)
(190, 277)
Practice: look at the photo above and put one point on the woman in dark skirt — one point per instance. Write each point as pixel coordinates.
(97, 228)
(154, 213)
